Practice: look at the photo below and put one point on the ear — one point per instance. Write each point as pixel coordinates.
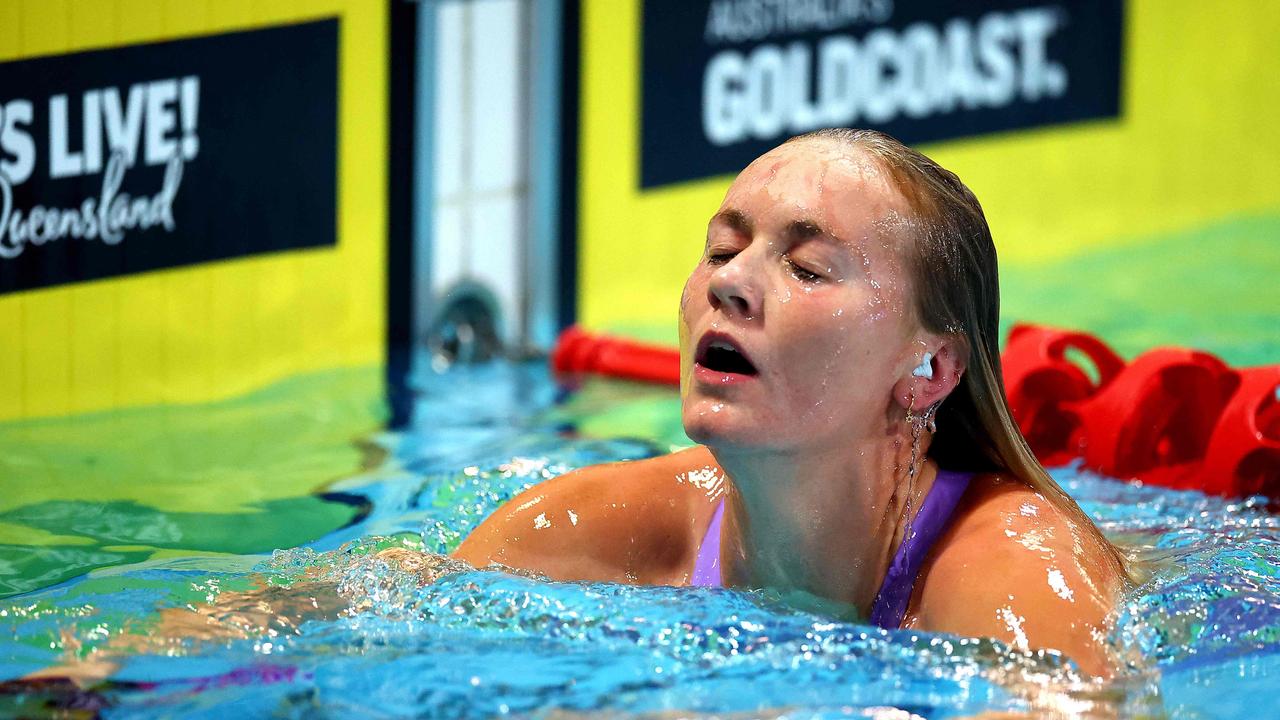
(931, 372)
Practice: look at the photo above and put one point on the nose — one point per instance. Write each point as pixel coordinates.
(732, 289)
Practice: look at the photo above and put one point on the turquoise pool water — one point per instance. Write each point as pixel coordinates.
(324, 628)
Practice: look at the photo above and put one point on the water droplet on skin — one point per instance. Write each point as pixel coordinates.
(838, 312)
(1058, 584)
(1013, 623)
(717, 407)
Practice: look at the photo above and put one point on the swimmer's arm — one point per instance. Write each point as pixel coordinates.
(621, 522)
(987, 582)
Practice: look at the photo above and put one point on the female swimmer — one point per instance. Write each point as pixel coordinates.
(840, 368)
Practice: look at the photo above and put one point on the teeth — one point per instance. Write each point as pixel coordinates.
(722, 345)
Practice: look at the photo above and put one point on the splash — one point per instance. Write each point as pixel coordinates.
(388, 624)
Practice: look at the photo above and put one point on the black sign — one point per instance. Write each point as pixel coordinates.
(154, 156)
(725, 80)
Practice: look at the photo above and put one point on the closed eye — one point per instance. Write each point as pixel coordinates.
(802, 274)
(719, 258)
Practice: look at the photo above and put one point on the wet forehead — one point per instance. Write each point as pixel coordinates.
(837, 187)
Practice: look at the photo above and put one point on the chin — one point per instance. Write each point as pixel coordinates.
(720, 430)
(699, 433)
(701, 425)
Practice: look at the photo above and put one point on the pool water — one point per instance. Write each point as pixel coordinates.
(216, 625)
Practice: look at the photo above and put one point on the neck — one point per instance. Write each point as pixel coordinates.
(825, 522)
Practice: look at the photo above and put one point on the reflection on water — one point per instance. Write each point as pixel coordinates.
(110, 488)
(352, 624)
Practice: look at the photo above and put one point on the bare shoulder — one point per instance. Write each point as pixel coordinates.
(626, 522)
(1024, 568)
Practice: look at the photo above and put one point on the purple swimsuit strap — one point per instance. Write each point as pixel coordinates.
(706, 569)
(928, 525)
(890, 606)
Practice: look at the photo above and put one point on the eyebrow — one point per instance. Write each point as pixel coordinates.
(804, 229)
(797, 231)
(734, 219)
(807, 229)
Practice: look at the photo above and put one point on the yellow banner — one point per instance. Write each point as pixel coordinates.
(214, 329)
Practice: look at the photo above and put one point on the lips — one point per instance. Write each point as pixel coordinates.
(723, 355)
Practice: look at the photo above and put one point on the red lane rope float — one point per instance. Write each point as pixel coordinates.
(1041, 379)
(1153, 421)
(1243, 457)
(1172, 417)
(580, 352)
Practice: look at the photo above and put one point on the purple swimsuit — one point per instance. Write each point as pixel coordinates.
(895, 592)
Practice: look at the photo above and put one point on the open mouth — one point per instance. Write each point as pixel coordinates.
(722, 355)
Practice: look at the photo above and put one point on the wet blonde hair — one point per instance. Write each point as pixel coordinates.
(957, 292)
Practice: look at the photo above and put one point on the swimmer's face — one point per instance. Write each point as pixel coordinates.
(798, 320)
